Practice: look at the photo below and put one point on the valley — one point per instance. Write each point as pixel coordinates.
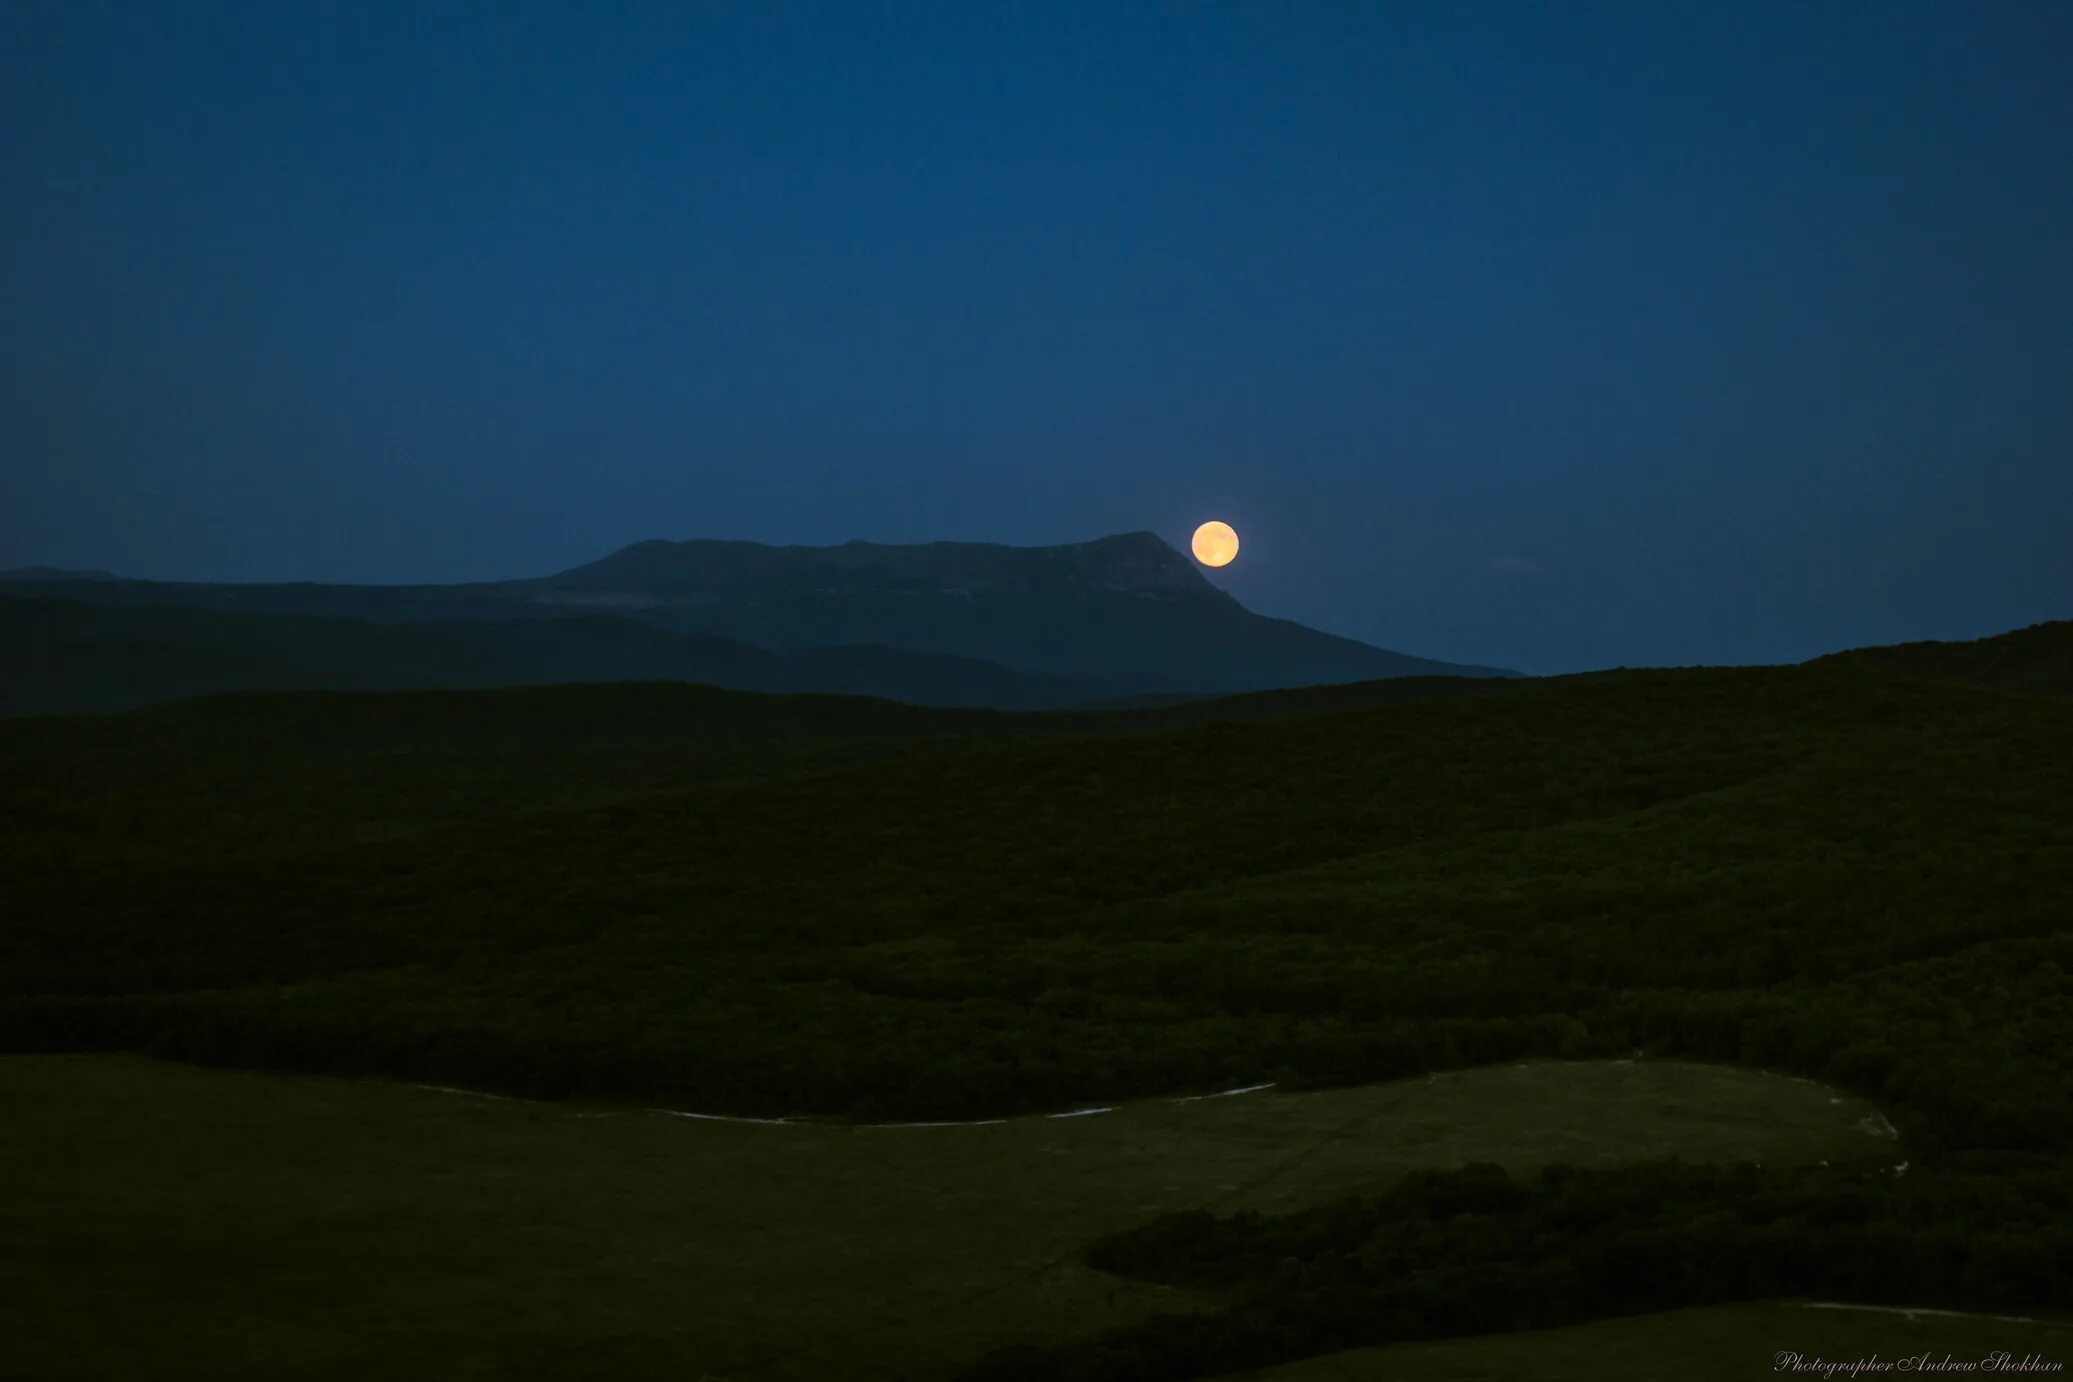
(1736, 918)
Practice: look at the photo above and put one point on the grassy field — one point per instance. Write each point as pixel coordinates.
(165, 1222)
(1855, 873)
(1733, 1343)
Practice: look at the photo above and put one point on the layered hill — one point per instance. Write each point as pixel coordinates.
(835, 908)
(936, 623)
(766, 905)
(66, 657)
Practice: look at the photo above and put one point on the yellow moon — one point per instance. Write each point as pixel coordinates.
(1215, 544)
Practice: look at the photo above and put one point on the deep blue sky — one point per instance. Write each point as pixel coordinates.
(1557, 336)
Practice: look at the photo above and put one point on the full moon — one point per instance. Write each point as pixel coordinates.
(1215, 544)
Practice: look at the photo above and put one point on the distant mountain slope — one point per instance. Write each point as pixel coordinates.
(66, 657)
(55, 573)
(62, 656)
(1123, 615)
(1128, 610)
(2037, 658)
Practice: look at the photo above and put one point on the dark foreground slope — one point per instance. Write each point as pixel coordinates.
(2038, 658)
(1846, 871)
(557, 1243)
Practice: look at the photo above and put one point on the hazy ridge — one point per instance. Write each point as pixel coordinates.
(936, 624)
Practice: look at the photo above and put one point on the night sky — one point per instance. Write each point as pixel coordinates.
(1553, 336)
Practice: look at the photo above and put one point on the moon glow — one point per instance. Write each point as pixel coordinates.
(1215, 544)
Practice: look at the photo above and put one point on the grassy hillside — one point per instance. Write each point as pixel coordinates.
(238, 774)
(2038, 658)
(259, 1228)
(1730, 1343)
(1852, 871)
(981, 926)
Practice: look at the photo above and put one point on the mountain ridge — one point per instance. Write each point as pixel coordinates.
(1138, 562)
(1116, 616)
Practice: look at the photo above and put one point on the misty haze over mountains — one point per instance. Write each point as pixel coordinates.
(947, 623)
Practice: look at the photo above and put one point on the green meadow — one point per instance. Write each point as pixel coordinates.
(1728, 1343)
(168, 1222)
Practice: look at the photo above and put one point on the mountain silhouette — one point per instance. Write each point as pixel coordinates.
(942, 623)
(1128, 610)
